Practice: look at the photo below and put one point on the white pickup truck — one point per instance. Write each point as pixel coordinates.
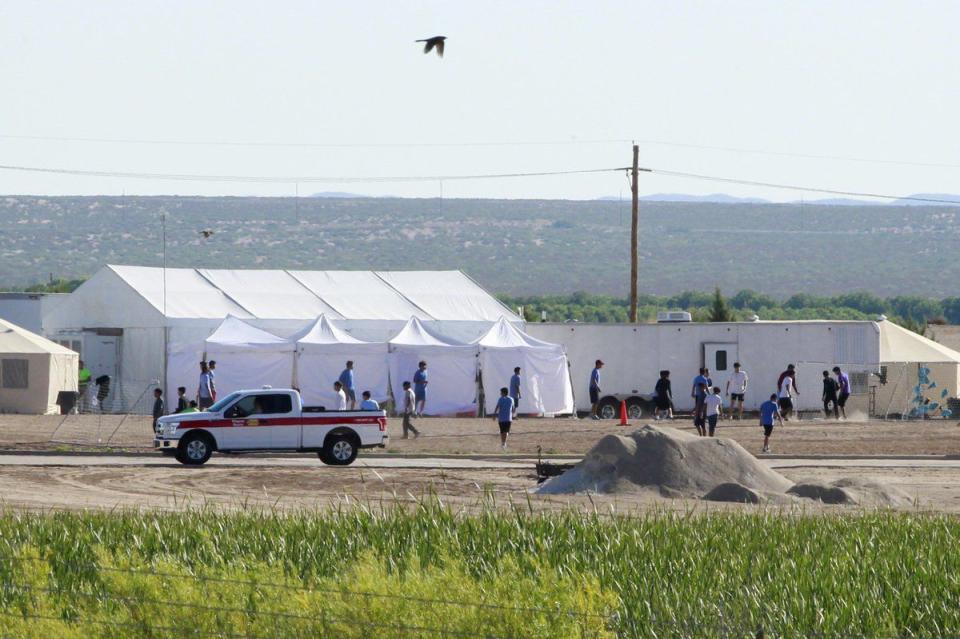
(270, 420)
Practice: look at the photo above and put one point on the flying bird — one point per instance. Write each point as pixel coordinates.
(436, 42)
(206, 233)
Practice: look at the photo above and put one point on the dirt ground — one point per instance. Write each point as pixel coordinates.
(398, 475)
(563, 436)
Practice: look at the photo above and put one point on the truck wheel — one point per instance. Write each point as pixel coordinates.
(634, 409)
(195, 449)
(340, 449)
(609, 408)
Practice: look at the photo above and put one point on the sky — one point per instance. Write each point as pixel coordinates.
(293, 90)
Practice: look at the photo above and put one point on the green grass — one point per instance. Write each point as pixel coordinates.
(400, 573)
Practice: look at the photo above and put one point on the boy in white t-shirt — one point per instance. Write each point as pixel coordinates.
(714, 407)
(341, 396)
(737, 388)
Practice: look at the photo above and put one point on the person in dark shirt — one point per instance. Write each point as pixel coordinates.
(182, 404)
(157, 406)
(664, 398)
(830, 396)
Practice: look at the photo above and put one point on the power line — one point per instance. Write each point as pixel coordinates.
(794, 187)
(256, 179)
(311, 145)
(464, 144)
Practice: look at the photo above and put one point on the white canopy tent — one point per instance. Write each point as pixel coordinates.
(322, 353)
(33, 371)
(452, 369)
(248, 357)
(545, 386)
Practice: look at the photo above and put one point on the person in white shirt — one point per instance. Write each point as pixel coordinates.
(341, 396)
(786, 393)
(737, 388)
(714, 407)
(367, 403)
(409, 407)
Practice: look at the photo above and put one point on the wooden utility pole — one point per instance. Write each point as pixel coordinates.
(634, 232)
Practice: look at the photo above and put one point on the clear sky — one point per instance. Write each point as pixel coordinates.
(873, 79)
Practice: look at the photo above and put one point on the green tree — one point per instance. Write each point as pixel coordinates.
(720, 312)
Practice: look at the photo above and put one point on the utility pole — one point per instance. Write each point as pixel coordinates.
(634, 232)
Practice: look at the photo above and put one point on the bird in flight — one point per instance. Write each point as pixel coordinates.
(436, 42)
(206, 233)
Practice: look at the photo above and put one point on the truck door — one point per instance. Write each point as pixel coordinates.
(254, 418)
(719, 358)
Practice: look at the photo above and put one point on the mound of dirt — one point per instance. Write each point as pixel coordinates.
(853, 492)
(668, 461)
(734, 493)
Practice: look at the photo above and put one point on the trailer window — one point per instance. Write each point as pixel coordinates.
(721, 363)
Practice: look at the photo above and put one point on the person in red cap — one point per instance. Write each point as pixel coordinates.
(595, 389)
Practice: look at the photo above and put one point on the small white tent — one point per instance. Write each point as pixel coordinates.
(452, 368)
(33, 371)
(248, 357)
(322, 353)
(545, 377)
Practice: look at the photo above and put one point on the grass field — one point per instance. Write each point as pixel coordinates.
(429, 571)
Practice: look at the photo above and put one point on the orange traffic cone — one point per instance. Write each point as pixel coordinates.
(623, 412)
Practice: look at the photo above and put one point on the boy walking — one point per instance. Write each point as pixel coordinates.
(504, 415)
(737, 389)
(182, 404)
(714, 409)
(409, 407)
(699, 393)
(769, 411)
(595, 389)
(843, 381)
(157, 406)
(515, 390)
(830, 396)
(346, 380)
(420, 382)
(341, 396)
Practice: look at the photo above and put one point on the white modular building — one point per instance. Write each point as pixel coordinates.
(143, 324)
(887, 364)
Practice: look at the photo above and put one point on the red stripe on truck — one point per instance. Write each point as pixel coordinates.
(285, 421)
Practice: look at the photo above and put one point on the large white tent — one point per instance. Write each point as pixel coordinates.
(545, 377)
(248, 357)
(33, 371)
(322, 353)
(139, 324)
(452, 369)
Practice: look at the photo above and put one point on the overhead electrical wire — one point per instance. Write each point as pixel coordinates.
(795, 187)
(303, 179)
(468, 143)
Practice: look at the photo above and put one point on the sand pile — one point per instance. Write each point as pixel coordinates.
(668, 461)
(674, 463)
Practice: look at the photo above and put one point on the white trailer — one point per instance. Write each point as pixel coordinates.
(633, 355)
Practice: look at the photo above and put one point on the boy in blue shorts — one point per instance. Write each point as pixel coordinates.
(769, 411)
(504, 415)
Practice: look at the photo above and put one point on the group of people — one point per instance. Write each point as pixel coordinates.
(709, 404)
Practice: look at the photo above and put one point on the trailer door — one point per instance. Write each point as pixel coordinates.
(719, 358)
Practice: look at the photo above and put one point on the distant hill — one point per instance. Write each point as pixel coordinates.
(929, 196)
(719, 198)
(517, 247)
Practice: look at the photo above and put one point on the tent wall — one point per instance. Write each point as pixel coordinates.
(544, 380)
(634, 355)
(452, 387)
(896, 396)
(318, 367)
(34, 399)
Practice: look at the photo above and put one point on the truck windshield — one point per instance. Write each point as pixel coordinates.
(226, 401)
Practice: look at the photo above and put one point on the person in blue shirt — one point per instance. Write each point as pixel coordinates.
(346, 380)
(368, 403)
(699, 394)
(769, 411)
(420, 388)
(595, 389)
(515, 390)
(504, 415)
